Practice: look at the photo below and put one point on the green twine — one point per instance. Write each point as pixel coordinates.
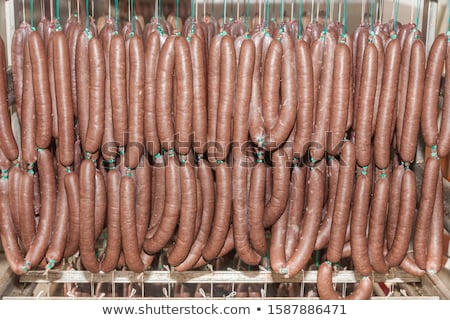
(87, 17)
(4, 174)
(177, 13)
(317, 255)
(51, 264)
(434, 153)
(396, 5)
(116, 16)
(372, 9)
(247, 14)
(32, 15)
(58, 18)
(171, 152)
(183, 159)
(327, 14)
(383, 174)
(87, 155)
(344, 19)
(364, 170)
(266, 14)
(132, 17)
(128, 172)
(156, 156)
(219, 162)
(261, 142)
(419, 3)
(282, 16)
(192, 16)
(300, 20)
(68, 170)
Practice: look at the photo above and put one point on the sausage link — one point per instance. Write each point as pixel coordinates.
(188, 212)
(47, 186)
(277, 254)
(311, 222)
(72, 186)
(256, 209)
(100, 204)
(443, 142)
(41, 90)
(52, 84)
(15, 175)
(82, 82)
(435, 248)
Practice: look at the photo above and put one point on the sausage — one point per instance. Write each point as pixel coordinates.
(413, 107)
(323, 235)
(256, 208)
(311, 220)
(394, 204)
(297, 203)
(51, 82)
(317, 55)
(385, 115)
(100, 204)
(305, 101)
(97, 76)
(158, 195)
(206, 181)
(188, 212)
(363, 130)
(435, 242)
(171, 212)
(359, 47)
(109, 146)
(409, 265)
(164, 86)
(199, 101)
(213, 88)
(73, 40)
(222, 216)
(143, 199)
(358, 225)
(325, 94)
(113, 236)
(443, 142)
(431, 85)
(82, 82)
(255, 117)
(405, 220)
(226, 97)
(425, 212)
(66, 137)
(282, 127)
(325, 285)
(128, 224)
(379, 44)
(47, 186)
(15, 175)
(277, 254)
(377, 216)
(17, 63)
(117, 69)
(72, 189)
(58, 239)
(340, 97)
(28, 124)
(280, 189)
(403, 84)
(7, 233)
(152, 45)
(41, 90)
(341, 211)
(87, 218)
(136, 103)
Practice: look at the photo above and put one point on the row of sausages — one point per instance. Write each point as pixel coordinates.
(209, 140)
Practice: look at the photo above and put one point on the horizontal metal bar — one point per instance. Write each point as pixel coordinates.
(70, 276)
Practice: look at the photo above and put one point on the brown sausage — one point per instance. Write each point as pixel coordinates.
(128, 224)
(226, 96)
(117, 69)
(425, 212)
(413, 107)
(66, 137)
(405, 220)
(28, 124)
(186, 233)
(113, 244)
(100, 204)
(82, 82)
(171, 212)
(73, 40)
(377, 217)
(143, 199)
(199, 102)
(363, 130)
(433, 73)
(305, 101)
(384, 121)
(311, 222)
(342, 203)
(57, 244)
(15, 174)
(47, 186)
(72, 186)
(256, 208)
(435, 248)
(51, 83)
(222, 216)
(443, 142)
(152, 46)
(164, 88)
(87, 218)
(135, 146)
(158, 194)
(97, 76)
(41, 90)
(340, 97)
(394, 204)
(277, 254)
